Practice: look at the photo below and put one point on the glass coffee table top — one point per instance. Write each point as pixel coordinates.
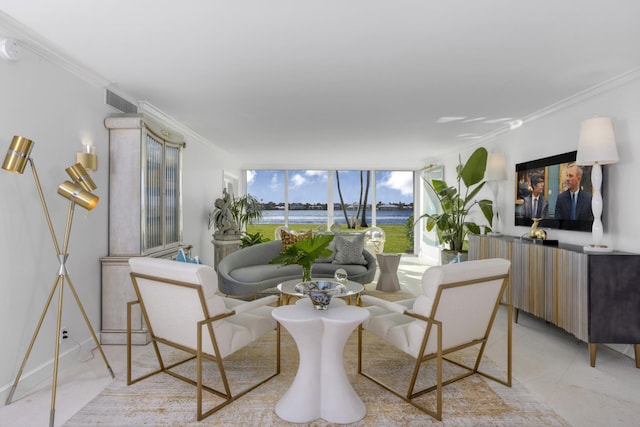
(288, 289)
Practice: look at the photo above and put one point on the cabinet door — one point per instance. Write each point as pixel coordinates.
(162, 194)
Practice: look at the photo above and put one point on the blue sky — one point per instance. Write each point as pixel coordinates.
(310, 186)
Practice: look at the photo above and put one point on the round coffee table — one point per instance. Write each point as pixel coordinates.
(287, 290)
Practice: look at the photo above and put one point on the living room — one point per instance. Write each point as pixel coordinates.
(60, 105)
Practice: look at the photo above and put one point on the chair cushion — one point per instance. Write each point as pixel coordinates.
(201, 274)
(450, 273)
(329, 269)
(348, 249)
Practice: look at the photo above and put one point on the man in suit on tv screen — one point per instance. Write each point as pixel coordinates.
(535, 205)
(574, 203)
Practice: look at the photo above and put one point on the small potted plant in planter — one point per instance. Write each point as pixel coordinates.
(456, 202)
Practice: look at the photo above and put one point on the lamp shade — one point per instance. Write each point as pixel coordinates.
(597, 142)
(496, 167)
(18, 154)
(78, 195)
(80, 176)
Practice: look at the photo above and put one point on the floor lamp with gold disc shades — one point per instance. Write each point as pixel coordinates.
(78, 192)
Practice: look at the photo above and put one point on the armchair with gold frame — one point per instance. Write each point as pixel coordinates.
(182, 310)
(456, 311)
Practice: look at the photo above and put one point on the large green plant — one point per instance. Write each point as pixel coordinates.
(456, 202)
(305, 252)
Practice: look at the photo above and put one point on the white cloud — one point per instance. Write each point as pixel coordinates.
(251, 176)
(321, 176)
(297, 180)
(401, 181)
(273, 184)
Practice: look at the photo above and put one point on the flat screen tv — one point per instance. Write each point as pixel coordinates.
(550, 178)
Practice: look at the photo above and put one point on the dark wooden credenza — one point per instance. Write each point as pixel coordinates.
(594, 296)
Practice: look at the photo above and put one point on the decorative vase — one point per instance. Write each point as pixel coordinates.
(320, 292)
(537, 233)
(306, 274)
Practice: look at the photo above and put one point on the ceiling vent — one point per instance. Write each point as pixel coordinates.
(120, 104)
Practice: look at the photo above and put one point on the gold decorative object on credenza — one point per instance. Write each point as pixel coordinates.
(77, 192)
(537, 233)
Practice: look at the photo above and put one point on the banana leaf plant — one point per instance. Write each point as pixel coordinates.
(457, 201)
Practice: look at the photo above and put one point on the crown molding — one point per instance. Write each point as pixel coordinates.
(153, 112)
(569, 101)
(581, 96)
(40, 46)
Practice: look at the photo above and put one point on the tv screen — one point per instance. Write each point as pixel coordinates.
(544, 189)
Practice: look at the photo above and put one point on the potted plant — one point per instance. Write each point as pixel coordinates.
(230, 216)
(456, 202)
(305, 252)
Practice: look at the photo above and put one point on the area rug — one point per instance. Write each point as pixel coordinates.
(162, 400)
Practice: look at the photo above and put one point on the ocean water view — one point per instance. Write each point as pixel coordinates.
(393, 216)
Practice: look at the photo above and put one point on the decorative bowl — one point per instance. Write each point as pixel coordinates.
(320, 292)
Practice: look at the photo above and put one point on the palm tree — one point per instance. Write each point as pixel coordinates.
(362, 201)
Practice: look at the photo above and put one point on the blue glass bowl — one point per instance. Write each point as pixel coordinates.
(320, 292)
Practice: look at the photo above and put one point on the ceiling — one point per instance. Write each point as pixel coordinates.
(383, 84)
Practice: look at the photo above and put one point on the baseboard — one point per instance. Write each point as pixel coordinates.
(41, 376)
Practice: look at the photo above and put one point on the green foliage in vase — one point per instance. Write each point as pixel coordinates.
(305, 253)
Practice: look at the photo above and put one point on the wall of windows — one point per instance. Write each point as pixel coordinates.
(350, 198)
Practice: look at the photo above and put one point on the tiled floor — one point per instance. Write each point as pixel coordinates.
(552, 364)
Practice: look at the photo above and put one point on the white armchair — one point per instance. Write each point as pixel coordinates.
(455, 311)
(181, 309)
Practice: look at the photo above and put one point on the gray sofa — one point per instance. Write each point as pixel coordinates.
(247, 272)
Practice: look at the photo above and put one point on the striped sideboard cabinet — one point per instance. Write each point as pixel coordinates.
(594, 296)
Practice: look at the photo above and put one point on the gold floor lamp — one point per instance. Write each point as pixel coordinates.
(78, 192)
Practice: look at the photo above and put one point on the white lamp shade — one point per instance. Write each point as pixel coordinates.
(496, 167)
(597, 142)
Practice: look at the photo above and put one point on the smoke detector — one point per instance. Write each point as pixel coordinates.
(10, 49)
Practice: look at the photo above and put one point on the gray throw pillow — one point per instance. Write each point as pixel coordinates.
(348, 249)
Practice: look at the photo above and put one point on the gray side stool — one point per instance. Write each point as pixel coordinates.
(388, 280)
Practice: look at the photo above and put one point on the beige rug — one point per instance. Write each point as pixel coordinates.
(162, 400)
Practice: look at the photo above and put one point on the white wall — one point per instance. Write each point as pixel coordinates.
(57, 110)
(558, 133)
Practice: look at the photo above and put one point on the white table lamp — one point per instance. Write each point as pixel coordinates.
(496, 171)
(596, 147)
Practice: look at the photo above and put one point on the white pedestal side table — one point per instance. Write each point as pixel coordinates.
(321, 388)
(388, 279)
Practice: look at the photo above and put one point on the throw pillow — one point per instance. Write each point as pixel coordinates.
(289, 239)
(182, 257)
(348, 249)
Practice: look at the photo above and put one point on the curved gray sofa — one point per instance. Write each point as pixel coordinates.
(247, 272)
